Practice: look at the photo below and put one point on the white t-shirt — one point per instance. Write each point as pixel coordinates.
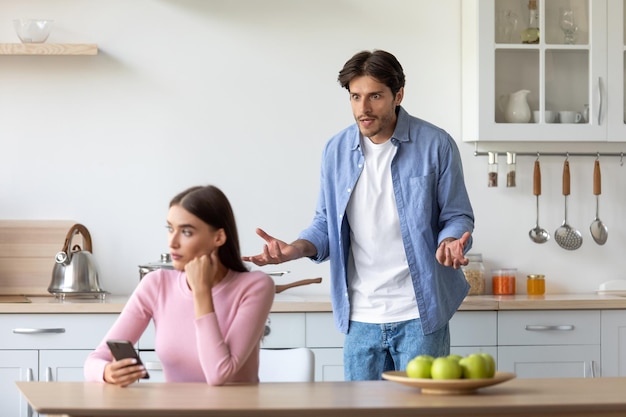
(380, 284)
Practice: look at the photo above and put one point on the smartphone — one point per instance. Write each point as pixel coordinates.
(122, 349)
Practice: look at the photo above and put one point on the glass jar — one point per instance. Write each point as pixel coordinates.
(492, 170)
(475, 273)
(536, 284)
(503, 281)
(510, 169)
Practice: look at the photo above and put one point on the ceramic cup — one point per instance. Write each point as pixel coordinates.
(570, 117)
(549, 116)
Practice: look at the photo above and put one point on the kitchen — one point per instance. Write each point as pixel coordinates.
(108, 139)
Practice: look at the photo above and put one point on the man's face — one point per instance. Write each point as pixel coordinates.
(374, 107)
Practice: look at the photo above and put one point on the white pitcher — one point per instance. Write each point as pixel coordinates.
(515, 107)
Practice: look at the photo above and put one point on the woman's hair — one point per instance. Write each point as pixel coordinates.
(210, 205)
(378, 64)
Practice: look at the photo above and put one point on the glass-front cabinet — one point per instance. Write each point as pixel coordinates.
(544, 70)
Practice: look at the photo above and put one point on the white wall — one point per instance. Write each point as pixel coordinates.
(243, 94)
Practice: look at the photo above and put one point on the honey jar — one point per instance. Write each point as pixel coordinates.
(503, 281)
(536, 284)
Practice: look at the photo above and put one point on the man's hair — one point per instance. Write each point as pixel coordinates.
(378, 64)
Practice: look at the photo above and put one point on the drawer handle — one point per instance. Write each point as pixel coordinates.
(541, 327)
(39, 331)
(153, 366)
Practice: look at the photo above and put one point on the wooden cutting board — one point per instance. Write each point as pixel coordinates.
(27, 250)
(13, 299)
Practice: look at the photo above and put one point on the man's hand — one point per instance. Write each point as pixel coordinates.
(450, 251)
(274, 251)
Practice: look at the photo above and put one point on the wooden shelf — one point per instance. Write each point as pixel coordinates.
(48, 49)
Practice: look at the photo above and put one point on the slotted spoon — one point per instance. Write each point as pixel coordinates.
(566, 236)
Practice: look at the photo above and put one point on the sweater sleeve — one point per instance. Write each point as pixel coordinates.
(225, 345)
(130, 325)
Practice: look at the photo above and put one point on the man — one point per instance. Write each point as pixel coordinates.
(395, 220)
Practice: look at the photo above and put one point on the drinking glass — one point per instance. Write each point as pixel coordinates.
(567, 22)
(506, 25)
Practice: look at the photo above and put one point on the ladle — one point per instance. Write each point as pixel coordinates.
(538, 234)
(566, 236)
(598, 230)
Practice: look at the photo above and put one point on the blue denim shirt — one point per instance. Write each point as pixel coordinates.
(432, 202)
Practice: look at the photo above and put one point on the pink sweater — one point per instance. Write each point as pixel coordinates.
(218, 348)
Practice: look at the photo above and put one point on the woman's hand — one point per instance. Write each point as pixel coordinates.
(124, 372)
(202, 272)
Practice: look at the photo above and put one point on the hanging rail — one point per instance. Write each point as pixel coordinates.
(561, 154)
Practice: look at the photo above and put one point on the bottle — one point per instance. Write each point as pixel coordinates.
(475, 273)
(531, 33)
(492, 170)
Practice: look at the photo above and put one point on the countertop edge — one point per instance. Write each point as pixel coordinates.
(306, 304)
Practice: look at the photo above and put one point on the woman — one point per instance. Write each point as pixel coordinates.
(209, 312)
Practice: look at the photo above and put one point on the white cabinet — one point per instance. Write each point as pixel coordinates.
(538, 344)
(614, 343)
(44, 347)
(589, 73)
(327, 344)
(474, 331)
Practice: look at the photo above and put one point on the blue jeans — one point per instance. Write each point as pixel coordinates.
(371, 349)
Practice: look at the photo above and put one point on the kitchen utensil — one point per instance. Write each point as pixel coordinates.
(33, 30)
(566, 236)
(283, 287)
(598, 230)
(538, 234)
(75, 272)
(164, 263)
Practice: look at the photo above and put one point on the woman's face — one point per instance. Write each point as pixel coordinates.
(189, 237)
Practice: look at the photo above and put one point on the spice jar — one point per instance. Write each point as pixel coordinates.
(535, 284)
(475, 273)
(503, 281)
(492, 170)
(510, 169)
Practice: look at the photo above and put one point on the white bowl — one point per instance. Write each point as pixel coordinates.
(33, 30)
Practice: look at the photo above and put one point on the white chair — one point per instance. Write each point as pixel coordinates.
(287, 365)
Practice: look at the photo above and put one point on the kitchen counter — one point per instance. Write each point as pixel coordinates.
(553, 397)
(287, 303)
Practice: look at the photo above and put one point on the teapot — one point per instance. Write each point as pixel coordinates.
(515, 107)
(75, 272)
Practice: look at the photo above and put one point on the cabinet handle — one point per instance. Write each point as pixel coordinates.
(29, 378)
(541, 327)
(153, 366)
(592, 367)
(600, 105)
(39, 331)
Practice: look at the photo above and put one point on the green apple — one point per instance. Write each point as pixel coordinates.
(491, 364)
(474, 366)
(418, 368)
(425, 357)
(445, 368)
(455, 357)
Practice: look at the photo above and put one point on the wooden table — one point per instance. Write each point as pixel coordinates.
(517, 397)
